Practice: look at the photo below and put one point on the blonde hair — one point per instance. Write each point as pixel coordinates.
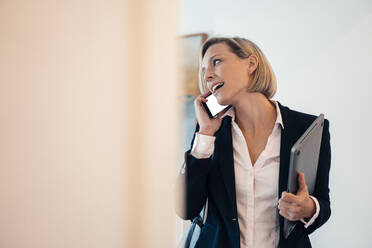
(264, 80)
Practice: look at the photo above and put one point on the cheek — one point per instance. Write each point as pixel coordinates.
(239, 83)
(237, 76)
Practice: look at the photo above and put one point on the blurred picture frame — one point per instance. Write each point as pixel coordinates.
(189, 65)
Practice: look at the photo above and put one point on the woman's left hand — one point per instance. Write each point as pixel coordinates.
(297, 206)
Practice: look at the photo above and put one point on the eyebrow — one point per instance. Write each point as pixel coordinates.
(203, 68)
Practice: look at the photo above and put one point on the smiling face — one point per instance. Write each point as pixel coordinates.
(225, 74)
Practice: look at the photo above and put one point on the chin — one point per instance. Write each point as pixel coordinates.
(222, 100)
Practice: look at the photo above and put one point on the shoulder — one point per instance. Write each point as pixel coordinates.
(295, 119)
(291, 113)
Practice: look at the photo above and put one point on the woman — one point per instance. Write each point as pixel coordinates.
(239, 160)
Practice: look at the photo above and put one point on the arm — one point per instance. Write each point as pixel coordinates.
(192, 180)
(191, 185)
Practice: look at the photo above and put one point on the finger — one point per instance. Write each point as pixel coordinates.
(290, 198)
(206, 94)
(288, 215)
(285, 205)
(293, 209)
(199, 100)
(202, 98)
(301, 183)
(293, 215)
(289, 208)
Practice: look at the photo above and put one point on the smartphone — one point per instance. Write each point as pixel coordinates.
(212, 107)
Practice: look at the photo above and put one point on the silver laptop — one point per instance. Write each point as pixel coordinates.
(304, 158)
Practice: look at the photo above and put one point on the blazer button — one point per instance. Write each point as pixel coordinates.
(233, 219)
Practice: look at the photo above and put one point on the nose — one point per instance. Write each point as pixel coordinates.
(209, 74)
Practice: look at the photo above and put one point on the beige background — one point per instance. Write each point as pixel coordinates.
(88, 128)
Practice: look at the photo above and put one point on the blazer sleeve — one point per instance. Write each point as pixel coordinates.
(321, 190)
(191, 184)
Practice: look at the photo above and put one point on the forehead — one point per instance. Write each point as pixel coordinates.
(216, 49)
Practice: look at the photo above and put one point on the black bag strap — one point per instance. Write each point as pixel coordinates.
(197, 221)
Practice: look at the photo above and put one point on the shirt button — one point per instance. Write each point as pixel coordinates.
(233, 219)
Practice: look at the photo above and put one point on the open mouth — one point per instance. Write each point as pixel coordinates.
(217, 86)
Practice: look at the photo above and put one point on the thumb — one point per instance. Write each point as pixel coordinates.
(302, 187)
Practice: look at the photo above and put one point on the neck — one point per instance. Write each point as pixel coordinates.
(255, 114)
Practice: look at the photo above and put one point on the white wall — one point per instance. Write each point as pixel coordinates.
(321, 52)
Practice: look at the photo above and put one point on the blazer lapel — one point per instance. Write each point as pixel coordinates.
(288, 138)
(285, 146)
(224, 154)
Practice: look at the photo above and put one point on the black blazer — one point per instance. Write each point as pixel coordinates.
(214, 178)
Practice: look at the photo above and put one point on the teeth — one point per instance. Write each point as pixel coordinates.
(216, 86)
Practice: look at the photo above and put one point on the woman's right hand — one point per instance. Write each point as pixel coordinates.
(207, 126)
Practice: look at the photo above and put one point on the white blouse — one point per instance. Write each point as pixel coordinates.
(256, 186)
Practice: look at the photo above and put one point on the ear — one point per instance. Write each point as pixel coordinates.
(252, 62)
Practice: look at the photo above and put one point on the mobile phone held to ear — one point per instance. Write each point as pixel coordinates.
(212, 107)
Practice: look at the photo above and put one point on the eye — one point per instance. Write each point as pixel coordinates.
(214, 61)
